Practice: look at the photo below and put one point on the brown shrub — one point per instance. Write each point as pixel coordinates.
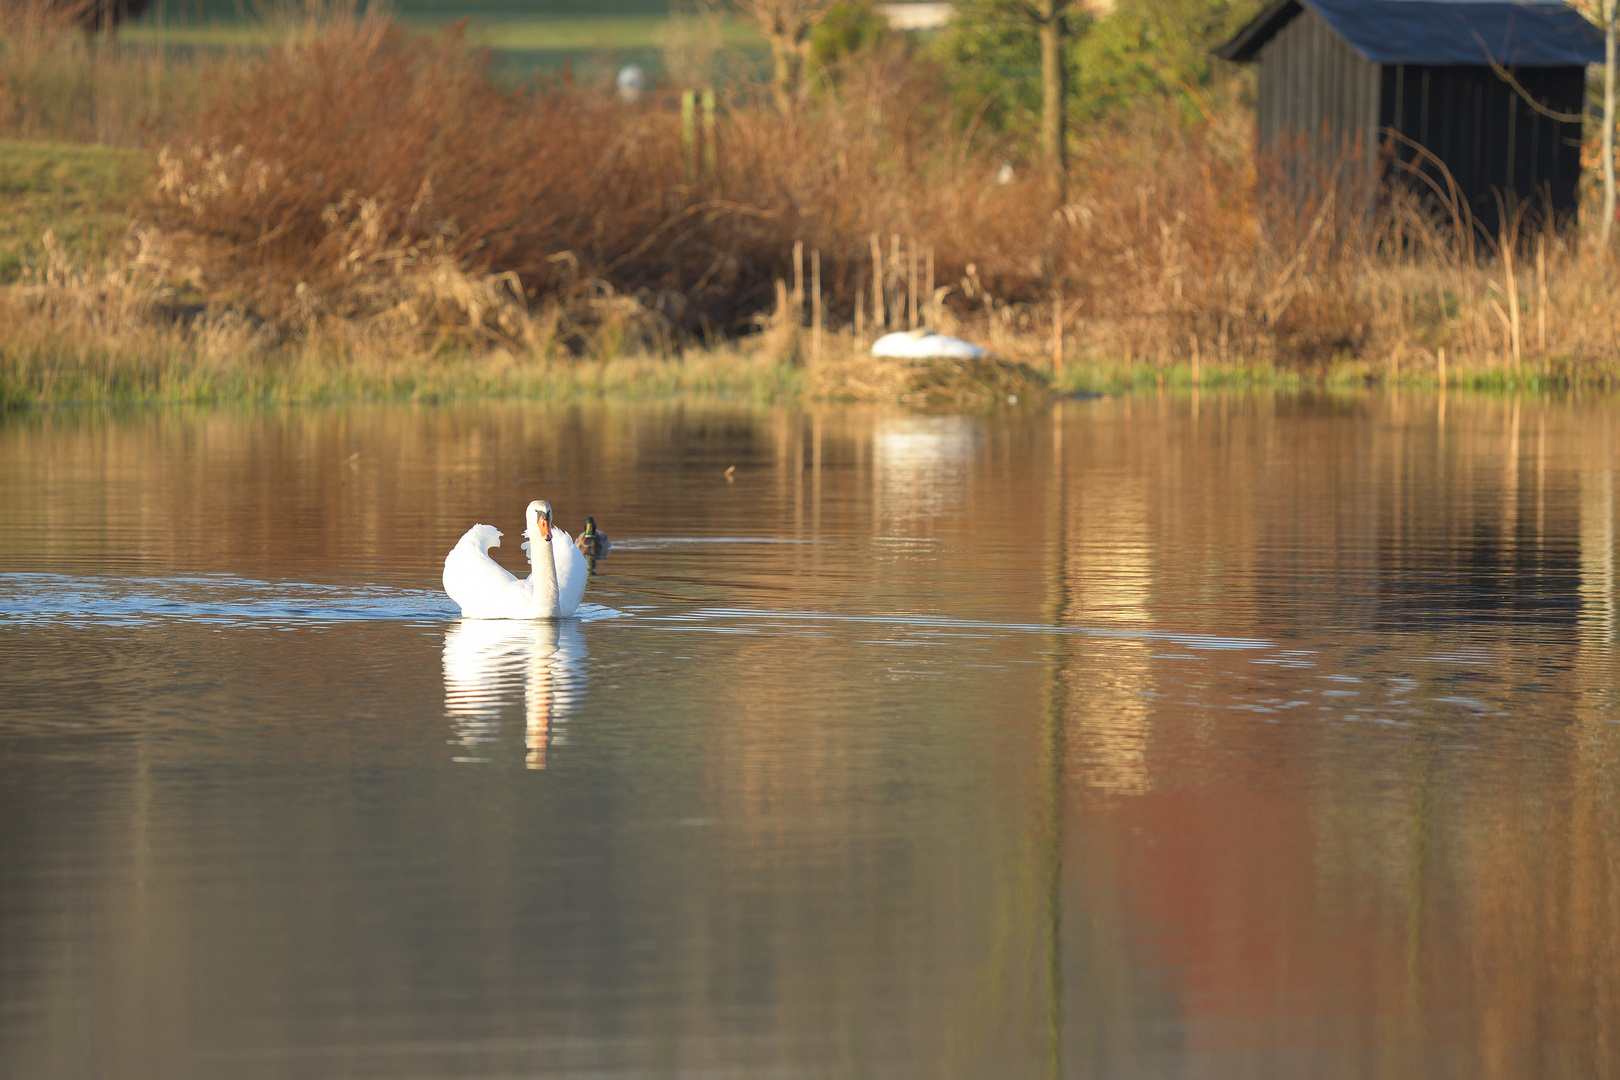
(361, 154)
(363, 173)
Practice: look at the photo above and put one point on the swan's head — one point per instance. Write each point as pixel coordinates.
(539, 515)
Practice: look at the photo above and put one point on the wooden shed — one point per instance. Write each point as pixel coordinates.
(1369, 81)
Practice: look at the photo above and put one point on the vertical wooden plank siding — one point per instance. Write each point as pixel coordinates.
(1488, 137)
(1318, 100)
(1321, 104)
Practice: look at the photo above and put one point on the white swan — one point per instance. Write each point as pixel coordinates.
(485, 590)
(925, 345)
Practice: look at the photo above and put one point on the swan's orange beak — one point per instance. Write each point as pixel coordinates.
(545, 529)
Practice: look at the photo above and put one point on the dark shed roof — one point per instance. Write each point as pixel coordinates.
(1439, 33)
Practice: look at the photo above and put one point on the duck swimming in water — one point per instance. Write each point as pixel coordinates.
(593, 542)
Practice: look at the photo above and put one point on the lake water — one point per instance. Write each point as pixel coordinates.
(1249, 736)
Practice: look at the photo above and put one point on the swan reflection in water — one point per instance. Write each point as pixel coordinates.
(490, 662)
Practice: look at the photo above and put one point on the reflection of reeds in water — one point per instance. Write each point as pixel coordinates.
(1111, 582)
(1597, 556)
(488, 661)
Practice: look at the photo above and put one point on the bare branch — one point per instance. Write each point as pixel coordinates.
(786, 25)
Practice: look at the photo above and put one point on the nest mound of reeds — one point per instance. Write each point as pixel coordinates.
(940, 381)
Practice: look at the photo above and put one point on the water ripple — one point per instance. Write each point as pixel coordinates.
(62, 599)
(784, 619)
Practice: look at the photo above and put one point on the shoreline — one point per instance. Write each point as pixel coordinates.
(101, 374)
(99, 312)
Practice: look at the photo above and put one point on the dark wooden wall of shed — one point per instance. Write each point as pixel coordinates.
(1488, 136)
(1318, 103)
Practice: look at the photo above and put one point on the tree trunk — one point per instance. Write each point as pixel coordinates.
(1052, 96)
(786, 25)
(789, 52)
(787, 55)
(1608, 122)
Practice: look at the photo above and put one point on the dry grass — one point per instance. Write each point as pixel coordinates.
(112, 342)
(357, 194)
(57, 83)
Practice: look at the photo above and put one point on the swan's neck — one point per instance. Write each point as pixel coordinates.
(544, 576)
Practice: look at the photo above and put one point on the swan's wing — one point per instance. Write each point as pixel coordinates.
(571, 572)
(482, 587)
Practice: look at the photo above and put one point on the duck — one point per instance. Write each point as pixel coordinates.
(593, 542)
(484, 589)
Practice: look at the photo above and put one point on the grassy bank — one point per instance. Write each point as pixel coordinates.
(360, 211)
(81, 195)
(56, 357)
(214, 365)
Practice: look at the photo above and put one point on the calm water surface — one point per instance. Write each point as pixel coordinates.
(1242, 737)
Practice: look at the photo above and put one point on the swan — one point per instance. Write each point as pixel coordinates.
(925, 345)
(593, 541)
(485, 590)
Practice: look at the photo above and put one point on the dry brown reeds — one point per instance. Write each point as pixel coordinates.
(58, 82)
(384, 154)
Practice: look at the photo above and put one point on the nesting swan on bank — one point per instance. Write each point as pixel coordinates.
(485, 590)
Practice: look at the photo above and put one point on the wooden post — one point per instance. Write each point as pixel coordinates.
(689, 132)
(815, 306)
(894, 264)
(1441, 356)
(877, 286)
(798, 283)
(780, 333)
(911, 283)
(860, 302)
(1541, 298)
(1195, 359)
(932, 317)
(710, 164)
(1057, 333)
(1513, 298)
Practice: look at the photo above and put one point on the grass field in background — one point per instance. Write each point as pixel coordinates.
(203, 11)
(526, 35)
(82, 194)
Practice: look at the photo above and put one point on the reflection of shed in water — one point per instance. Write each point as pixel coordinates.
(1503, 533)
(1493, 91)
